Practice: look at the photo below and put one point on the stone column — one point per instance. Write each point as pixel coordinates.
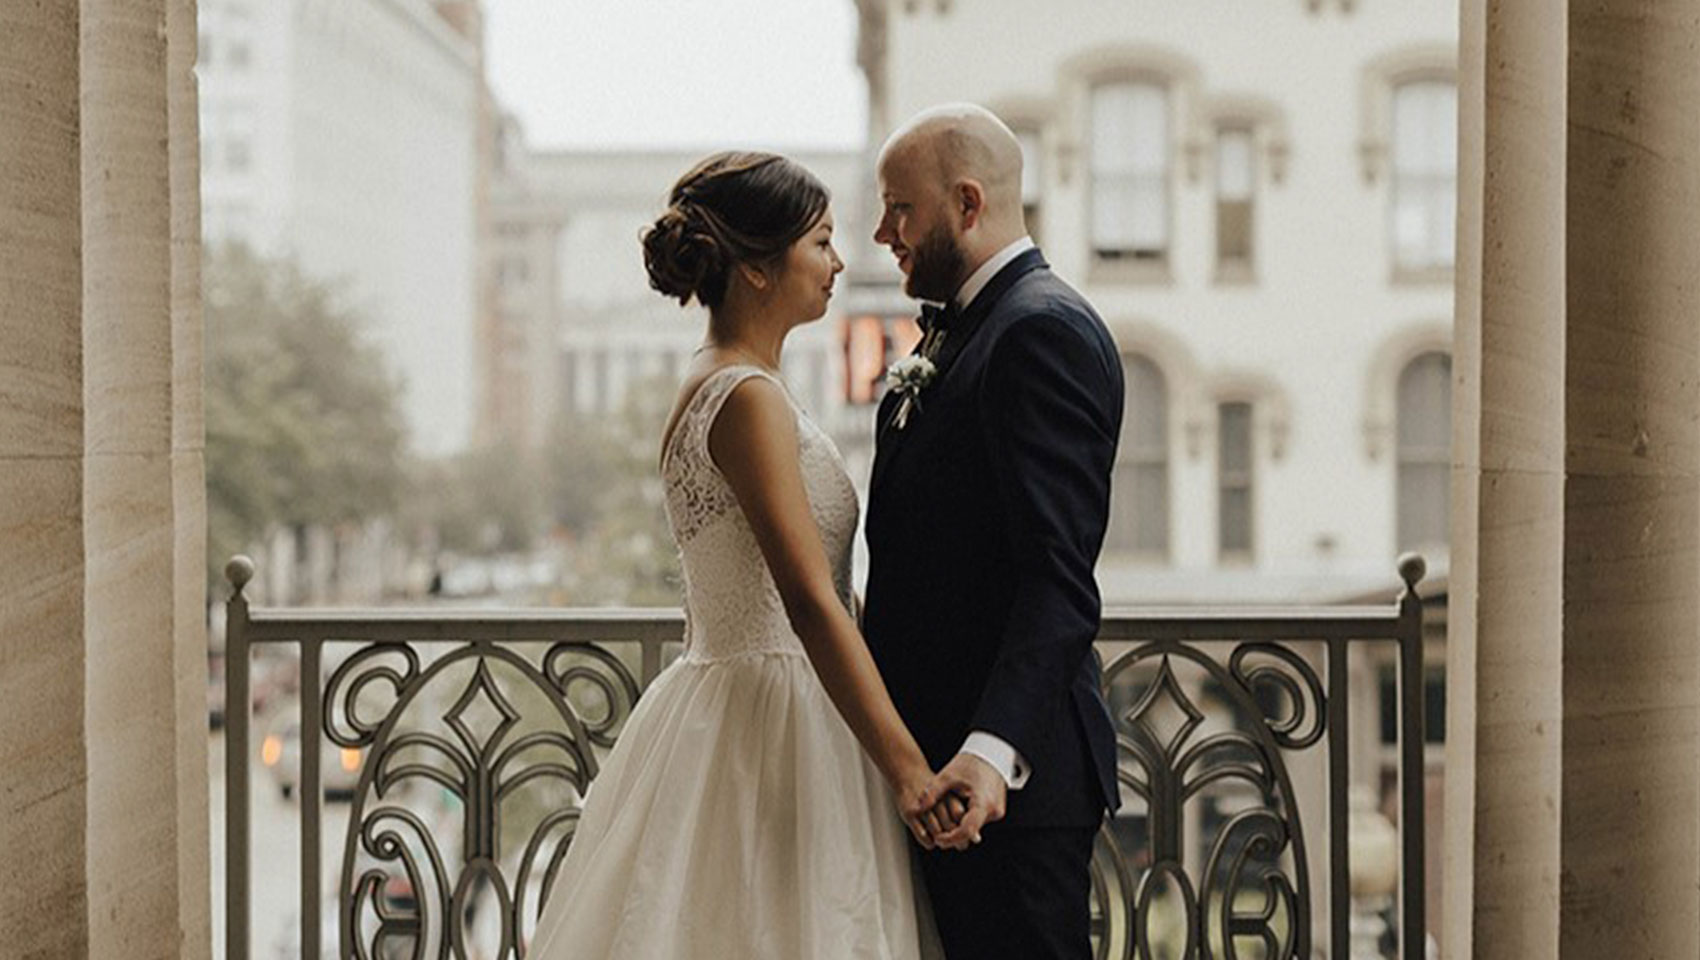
(102, 529)
(1631, 811)
(130, 600)
(43, 903)
(1504, 665)
(1575, 753)
(188, 485)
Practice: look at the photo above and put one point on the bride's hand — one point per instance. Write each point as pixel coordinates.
(926, 822)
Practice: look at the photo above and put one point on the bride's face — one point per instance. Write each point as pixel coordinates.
(811, 265)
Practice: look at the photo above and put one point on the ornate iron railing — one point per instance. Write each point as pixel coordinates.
(474, 734)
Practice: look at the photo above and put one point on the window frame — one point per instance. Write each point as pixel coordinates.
(1133, 267)
(1417, 456)
(1132, 457)
(1243, 269)
(1225, 555)
(1424, 185)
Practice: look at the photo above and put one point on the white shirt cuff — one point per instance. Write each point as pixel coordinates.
(1004, 758)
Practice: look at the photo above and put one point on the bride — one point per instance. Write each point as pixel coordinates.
(742, 813)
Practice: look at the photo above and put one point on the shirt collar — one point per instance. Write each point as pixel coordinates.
(979, 278)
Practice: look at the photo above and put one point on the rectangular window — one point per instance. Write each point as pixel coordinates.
(1130, 172)
(1139, 501)
(1425, 453)
(1425, 176)
(1234, 482)
(1235, 190)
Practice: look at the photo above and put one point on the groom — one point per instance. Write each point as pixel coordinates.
(989, 498)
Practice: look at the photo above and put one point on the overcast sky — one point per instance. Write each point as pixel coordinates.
(679, 73)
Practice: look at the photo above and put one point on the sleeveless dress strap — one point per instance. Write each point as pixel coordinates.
(690, 435)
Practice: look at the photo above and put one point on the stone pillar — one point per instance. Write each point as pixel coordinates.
(43, 903)
(1631, 810)
(1575, 752)
(131, 589)
(102, 529)
(188, 485)
(1504, 665)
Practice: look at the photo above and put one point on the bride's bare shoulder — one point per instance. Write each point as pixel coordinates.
(702, 368)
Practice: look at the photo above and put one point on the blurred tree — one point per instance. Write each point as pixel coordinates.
(582, 455)
(304, 428)
(485, 501)
(607, 499)
(303, 419)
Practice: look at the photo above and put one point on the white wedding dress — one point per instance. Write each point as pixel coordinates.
(737, 818)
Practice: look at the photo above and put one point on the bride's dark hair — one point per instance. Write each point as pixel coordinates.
(731, 208)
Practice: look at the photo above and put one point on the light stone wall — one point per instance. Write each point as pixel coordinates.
(102, 681)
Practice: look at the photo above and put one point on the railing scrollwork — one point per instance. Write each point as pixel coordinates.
(478, 734)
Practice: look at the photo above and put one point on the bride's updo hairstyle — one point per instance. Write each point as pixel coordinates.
(732, 208)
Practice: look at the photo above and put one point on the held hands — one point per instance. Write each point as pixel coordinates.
(950, 811)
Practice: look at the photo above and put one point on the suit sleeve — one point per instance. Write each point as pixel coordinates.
(1051, 413)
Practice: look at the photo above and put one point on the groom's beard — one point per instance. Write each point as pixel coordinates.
(935, 266)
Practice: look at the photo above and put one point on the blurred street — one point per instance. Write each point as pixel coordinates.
(274, 861)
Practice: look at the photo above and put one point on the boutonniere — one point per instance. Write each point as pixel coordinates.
(909, 376)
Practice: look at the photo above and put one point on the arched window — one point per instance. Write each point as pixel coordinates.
(1130, 171)
(1425, 175)
(1425, 452)
(1139, 501)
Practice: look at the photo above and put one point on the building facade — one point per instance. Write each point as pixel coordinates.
(580, 328)
(344, 135)
(1262, 209)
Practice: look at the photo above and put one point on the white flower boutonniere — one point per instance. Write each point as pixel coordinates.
(909, 376)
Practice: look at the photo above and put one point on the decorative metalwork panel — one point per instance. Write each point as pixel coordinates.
(1202, 740)
(477, 734)
(508, 743)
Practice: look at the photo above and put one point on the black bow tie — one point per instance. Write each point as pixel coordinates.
(938, 318)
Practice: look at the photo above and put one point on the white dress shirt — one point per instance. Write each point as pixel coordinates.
(977, 280)
(995, 750)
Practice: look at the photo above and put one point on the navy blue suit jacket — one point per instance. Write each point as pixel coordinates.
(985, 517)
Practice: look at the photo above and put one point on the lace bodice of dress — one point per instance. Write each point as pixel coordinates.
(731, 605)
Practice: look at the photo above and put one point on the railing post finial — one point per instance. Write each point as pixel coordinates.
(239, 571)
(1412, 569)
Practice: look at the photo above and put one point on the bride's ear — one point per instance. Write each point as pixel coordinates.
(754, 275)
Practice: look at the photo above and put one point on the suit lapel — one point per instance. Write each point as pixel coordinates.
(890, 441)
(975, 316)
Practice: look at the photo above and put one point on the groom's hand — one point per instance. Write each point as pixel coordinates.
(926, 821)
(980, 785)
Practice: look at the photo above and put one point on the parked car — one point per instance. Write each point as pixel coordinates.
(280, 752)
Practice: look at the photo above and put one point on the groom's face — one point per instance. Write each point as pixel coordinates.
(917, 228)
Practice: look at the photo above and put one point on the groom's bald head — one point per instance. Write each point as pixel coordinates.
(959, 142)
